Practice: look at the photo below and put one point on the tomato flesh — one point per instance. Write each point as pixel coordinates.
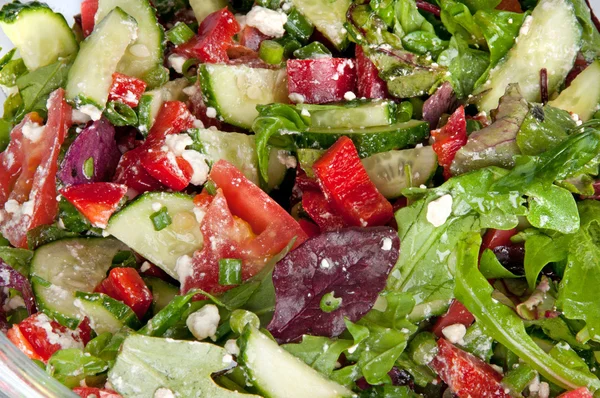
(16, 337)
(126, 285)
(496, 237)
(88, 12)
(92, 392)
(581, 392)
(368, 83)
(318, 81)
(131, 173)
(96, 201)
(457, 313)
(126, 89)
(251, 37)
(449, 139)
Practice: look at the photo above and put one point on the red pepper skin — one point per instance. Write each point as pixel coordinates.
(457, 313)
(126, 285)
(92, 392)
(368, 83)
(321, 212)
(131, 173)
(88, 12)
(251, 37)
(581, 392)
(496, 237)
(126, 89)
(96, 201)
(348, 188)
(215, 35)
(449, 139)
(466, 375)
(319, 81)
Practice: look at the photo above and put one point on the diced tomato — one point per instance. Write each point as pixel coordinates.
(88, 12)
(131, 173)
(457, 313)
(347, 186)
(126, 285)
(85, 330)
(368, 83)
(28, 172)
(126, 89)
(96, 201)
(319, 209)
(319, 81)
(16, 337)
(581, 392)
(466, 375)
(311, 229)
(215, 34)
(449, 139)
(251, 37)
(496, 237)
(162, 164)
(92, 392)
(242, 222)
(509, 5)
(46, 336)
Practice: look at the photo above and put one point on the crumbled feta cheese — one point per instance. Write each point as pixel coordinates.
(199, 213)
(349, 96)
(145, 266)
(455, 333)
(13, 303)
(387, 244)
(8, 91)
(176, 143)
(289, 161)
(296, 98)
(439, 210)
(352, 349)
(33, 131)
(227, 359)
(269, 22)
(79, 117)
(156, 206)
(163, 393)
(90, 110)
(191, 90)
(325, 264)
(199, 166)
(27, 208)
(204, 322)
(12, 206)
(183, 268)
(176, 62)
(241, 20)
(232, 347)
(211, 112)
(305, 112)
(64, 340)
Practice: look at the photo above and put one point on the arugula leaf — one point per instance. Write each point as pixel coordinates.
(320, 353)
(590, 38)
(70, 366)
(558, 330)
(465, 65)
(543, 128)
(542, 248)
(503, 324)
(459, 21)
(11, 71)
(475, 5)
(553, 208)
(408, 19)
(490, 267)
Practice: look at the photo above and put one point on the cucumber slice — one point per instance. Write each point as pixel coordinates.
(162, 293)
(355, 114)
(368, 141)
(203, 8)
(133, 226)
(276, 373)
(549, 38)
(328, 16)
(151, 102)
(41, 35)
(146, 53)
(61, 268)
(235, 90)
(90, 76)
(105, 313)
(583, 95)
(389, 171)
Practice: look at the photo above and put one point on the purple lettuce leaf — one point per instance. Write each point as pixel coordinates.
(352, 264)
(96, 141)
(11, 278)
(442, 101)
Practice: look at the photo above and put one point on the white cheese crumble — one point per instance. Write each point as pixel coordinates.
(13, 303)
(386, 244)
(27, 208)
(204, 322)
(231, 347)
(305, 112)
(269, 22)
(455, 333)
(176, 143)
(349, 96)
(289, 161)
(90, 110)
(325, 264)
(8, 91)
(199, 214)
(64, 340)
(145, 266)
(163, 393)
(211, 112)
(33, 131)
(199, 166)
(12, 206)
(183, 268)
(79, 117)
(439, 210)
(296, 98)
(176, 62)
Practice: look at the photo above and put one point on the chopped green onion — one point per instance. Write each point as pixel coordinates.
(423, 348)
(313, 50)
(230, 271)
(156, 77)
(271, 52)
(120, 114)
(289, 45)
(189, 69)
(88, 168)
(417, 104)
(210, 187)
(330, 303)
(298, 26)
(240, 318)
(518, 378)
(161, 219)
(180, 34)
(405, 111)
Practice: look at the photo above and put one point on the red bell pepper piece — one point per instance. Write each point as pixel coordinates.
(131, 173)
(347, 186)
(320, 210)
(449, 139)
(369, 84)
(311, 229)
(126, 89)
(581, 392)
(92, 392)
(457, 313)
(215, 34)
(251, 37)
(466, 375)
(126, 285)
(88, 12)
(318, 81)
(96, 201)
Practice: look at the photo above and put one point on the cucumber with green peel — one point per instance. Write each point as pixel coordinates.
(105, 313)
(277, 373)
(60, 269)
(90, 77)
(146, 52)
(368, 141)
(133, 226)
(354, 114)
(549, 38)
(328, 17)
(151, 102)
(583, 95)
(41, 35)
(203, 8)
(162, 292)
(234, 91)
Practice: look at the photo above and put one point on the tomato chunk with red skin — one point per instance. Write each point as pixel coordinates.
(131, 173)
(126, 89)
(88, 12)
(96, 201)
(16, 337)
(321, 212)
(251, 37)
(347, 186)
(310, 229)
(368, 82)
(126, 285)
(457, 313)
(581, 392)
(215, 34)
(319, 81)
(92, 392)
(496, 237)
(28, 169)
(466, 375)
(449, 139)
